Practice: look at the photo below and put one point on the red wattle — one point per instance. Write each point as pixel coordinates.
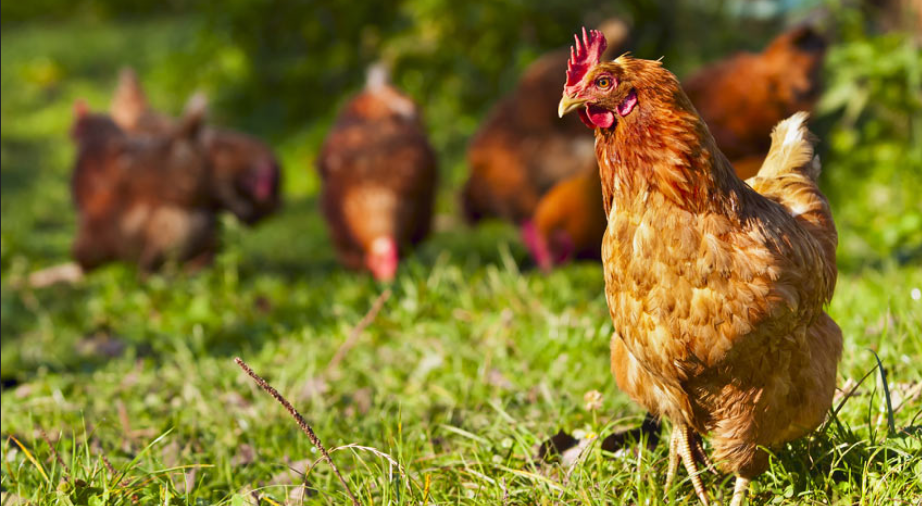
(599, 117)
(585, 118)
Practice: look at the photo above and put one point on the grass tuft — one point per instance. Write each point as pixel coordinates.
(305, 427)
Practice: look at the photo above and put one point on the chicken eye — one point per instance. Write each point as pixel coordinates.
(603, 82)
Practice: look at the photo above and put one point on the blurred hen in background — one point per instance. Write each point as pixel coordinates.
(141, 200)
(568, 222)
(245, 174)
(741, 99)
(378, 175)
(523, 148)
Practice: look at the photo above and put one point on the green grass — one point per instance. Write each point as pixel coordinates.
(469, 365)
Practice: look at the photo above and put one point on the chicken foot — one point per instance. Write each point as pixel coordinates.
(681, 446)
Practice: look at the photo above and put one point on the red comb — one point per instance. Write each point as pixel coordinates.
(583, 55)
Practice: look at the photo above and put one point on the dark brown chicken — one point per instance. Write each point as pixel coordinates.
(143, 201)
(245, 178)
(378, 175)
(740, 98)
(523, 149)
(716, 289)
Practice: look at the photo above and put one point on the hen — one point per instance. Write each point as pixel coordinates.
(378, 176)
(245, 175)
(716, 288)
(740, 98)
(140, 200)
(522, 149)
(568, 222)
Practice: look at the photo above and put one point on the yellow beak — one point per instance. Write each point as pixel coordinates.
(568, 104)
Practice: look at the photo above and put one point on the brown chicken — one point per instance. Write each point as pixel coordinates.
(716, 288)
(568, 222)
(523, 149)
(143, 201)
(378, 176)
(740, 99)
(245, 178)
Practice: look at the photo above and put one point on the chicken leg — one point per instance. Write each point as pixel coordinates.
(701, 455)
(739, 491)
(681, 447)
(673, 461)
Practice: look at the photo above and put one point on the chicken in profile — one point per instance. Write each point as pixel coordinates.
(378, 175)
(246, 177)
(740, 98)
(716, 289)
(523, 149)
(143, 201)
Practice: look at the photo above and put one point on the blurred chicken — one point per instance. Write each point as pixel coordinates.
(568, 223)
(740, 99)
(743, 97)
(378, 174)
(523, 149)
(143, 201)
(716, 288)
(245, 173)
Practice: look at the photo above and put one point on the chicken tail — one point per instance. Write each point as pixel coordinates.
(791, 150)
(789, 177)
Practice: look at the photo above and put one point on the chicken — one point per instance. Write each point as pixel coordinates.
(716, 289)
(778, 82)
(522, 149)
(742, 97)
(568, 222)
(246, 177)
(140, 200)
(378, 176)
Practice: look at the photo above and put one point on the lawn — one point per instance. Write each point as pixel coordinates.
(439, 388)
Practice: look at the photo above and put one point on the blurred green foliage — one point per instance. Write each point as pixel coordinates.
(287, 63)
(874, 166)
(17, 12)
